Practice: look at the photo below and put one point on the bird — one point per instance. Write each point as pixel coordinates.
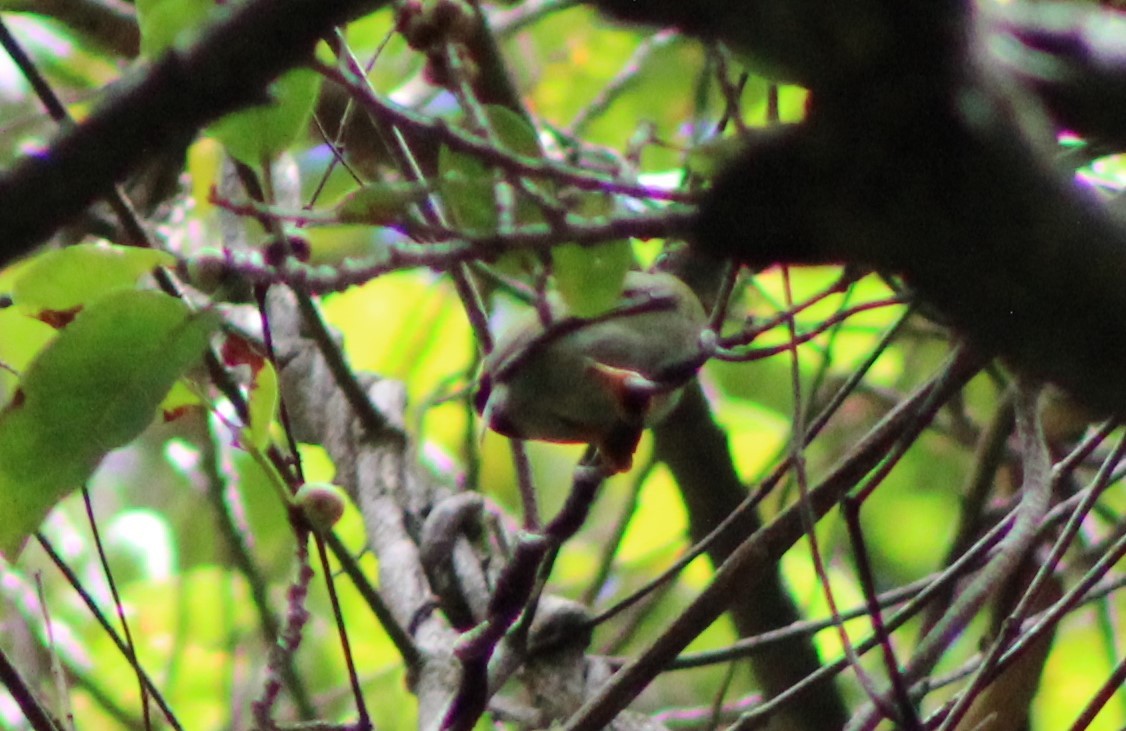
(599, 380)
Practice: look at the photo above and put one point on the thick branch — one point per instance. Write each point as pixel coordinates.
(162, 105)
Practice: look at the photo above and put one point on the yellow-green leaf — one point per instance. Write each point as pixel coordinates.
(467, 183)
(590, 278)
(64, 279)
(164, 23)
(263, 404)
(263, 132)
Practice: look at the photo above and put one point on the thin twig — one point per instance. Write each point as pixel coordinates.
(809, 520)
(96, 612)
(766, 546)
(107, 572)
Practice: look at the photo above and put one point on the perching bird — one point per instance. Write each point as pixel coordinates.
(600, 381)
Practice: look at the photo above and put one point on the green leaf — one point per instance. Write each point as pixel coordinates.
(467, 184)
(254, 135)
(513, 131)
(590, 278)
(379, 203)
(64, 279)
(165, 23)
(93, 389)
(264, 132)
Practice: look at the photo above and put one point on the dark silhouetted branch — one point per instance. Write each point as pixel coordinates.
(159, 107)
